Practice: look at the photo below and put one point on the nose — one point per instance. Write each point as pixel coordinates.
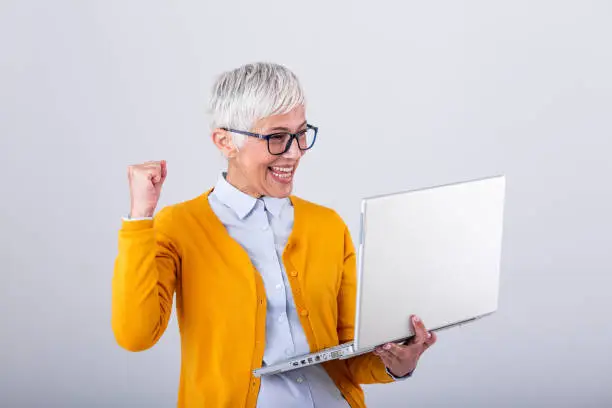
(294, 150)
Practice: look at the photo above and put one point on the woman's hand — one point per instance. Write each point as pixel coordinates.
(401, 360)
(146, 181)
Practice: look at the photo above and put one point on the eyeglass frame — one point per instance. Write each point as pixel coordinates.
(269, 136)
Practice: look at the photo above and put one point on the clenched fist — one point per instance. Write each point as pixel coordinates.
(146, 181)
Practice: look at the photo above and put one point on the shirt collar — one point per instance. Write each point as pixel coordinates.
(274, 205)
(241, 203)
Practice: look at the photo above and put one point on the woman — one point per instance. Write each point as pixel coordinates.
(260, 275)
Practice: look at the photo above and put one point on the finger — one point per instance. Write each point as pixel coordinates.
(420, 333)
(394, 350)
(395, 359)
(387, 359)
(159, 169)
(431, 340)
(152, 171)
(164, 170)
(154, 165)
(154, 175)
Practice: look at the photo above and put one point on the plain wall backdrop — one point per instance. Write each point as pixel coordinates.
(406, 94)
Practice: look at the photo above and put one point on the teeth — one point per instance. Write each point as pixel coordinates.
(282, 172)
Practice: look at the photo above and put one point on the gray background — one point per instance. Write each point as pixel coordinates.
(407, 94)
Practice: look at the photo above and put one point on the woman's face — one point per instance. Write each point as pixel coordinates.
(252, 169)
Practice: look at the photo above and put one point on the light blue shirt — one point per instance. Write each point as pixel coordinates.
(262, 227)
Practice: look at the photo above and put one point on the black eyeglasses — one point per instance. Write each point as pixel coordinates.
(279, 143)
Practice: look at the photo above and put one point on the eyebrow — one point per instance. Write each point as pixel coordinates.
(285, 129)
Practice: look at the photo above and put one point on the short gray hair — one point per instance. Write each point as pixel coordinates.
(252, 92)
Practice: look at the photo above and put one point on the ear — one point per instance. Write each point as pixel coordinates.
(224, 142)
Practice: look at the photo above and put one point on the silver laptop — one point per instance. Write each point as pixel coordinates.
(434, 252)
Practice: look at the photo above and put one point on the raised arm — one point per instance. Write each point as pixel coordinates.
(147, 264)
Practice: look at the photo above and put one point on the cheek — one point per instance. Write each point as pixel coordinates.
(255, 162)
(258, 170)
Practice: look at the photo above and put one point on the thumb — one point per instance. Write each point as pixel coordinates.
(164, 170)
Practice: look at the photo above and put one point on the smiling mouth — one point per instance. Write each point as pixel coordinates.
(282, 173)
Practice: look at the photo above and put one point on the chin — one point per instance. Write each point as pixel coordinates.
(278, 191)
(279, 185)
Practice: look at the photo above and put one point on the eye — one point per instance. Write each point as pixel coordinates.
(279, 137)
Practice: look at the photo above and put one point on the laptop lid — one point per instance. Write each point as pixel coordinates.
(434, 252)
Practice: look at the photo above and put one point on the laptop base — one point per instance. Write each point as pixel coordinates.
(340, 352)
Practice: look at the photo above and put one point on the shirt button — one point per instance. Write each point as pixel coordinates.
(279, 286)
(265, 227)
(304, 312)
(281, 317)
(288, 352)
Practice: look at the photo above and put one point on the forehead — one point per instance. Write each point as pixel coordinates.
(291, 121)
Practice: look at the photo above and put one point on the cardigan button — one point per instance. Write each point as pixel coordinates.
(304, 312)
(294, 273)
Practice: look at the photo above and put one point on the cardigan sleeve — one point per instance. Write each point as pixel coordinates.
(143, 283)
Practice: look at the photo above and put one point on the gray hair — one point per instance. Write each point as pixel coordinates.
(252, 92)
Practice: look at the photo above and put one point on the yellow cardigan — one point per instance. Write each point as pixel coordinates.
(221, 300)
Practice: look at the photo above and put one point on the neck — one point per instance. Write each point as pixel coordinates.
(238, 180)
